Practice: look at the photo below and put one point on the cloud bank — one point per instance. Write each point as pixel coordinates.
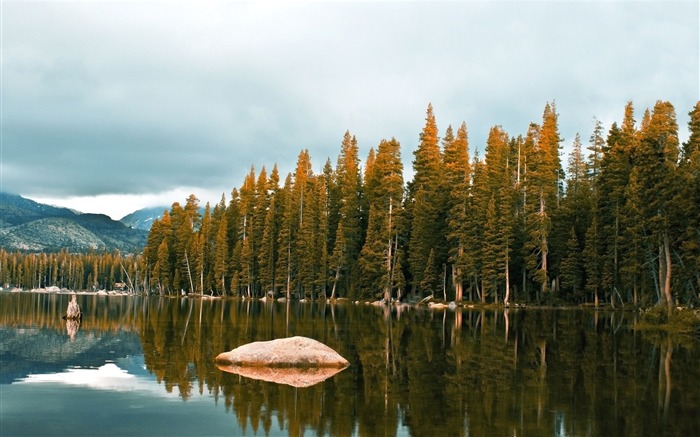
(140, 99)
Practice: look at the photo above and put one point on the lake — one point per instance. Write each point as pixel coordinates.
(140, 365)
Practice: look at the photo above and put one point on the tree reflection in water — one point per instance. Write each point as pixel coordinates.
(415, 371)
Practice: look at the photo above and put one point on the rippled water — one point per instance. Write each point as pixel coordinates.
(145, 366)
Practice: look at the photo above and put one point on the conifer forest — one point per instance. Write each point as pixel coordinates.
(617, 224)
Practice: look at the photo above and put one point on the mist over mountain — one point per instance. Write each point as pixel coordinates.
(31, 226)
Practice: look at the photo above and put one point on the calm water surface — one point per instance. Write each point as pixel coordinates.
(145, 366)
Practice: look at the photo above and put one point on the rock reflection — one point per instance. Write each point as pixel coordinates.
(295, 377)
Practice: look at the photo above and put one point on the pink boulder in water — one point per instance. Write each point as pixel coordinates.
(295, 361)
(283, 352)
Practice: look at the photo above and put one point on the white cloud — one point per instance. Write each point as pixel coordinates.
(128, 99)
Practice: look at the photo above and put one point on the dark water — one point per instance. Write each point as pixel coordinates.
(145, 366)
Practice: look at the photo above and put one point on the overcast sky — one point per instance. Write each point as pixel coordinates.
(112, 106)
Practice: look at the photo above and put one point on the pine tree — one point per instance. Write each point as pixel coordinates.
(246, 271)
(490, 252)
(267, 255)
(337, 262)
(221, 256)
(384, 192)
(206, 247)
(689, 205)
(428, 225)
(544, 186)
(499, 189)
(430, 278)
(632, 263)
(457, 178)
(161, 271)
(596, 147)
(575, 215)
(301, 216)
(657, 161)
(350, 212)
(473, 231)
(572, 267)
(283, 268)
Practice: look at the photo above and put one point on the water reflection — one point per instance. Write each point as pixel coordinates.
(292, 376)
(72, 326)
(417, 372)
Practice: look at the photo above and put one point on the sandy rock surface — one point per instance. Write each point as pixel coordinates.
(301, 352)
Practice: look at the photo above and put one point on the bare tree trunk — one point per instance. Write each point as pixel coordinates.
(131, 286)
(483, 291)
(595, 298)
(456, 284)
(387, 287)
(335, 282)
(506, 298)
(444, 282)
(189, 273)
(662, 274)
(667, 282)
(289, 271)
(544, 248)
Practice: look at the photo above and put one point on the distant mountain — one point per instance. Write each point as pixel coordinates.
(29, 225)
(143, 218)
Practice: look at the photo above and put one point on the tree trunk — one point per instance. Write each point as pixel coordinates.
(662, 274)
(335, 283)
(506, 298)
(389, 258)
(667, 279)
(289, 271)
(457, 283)
(189, 273)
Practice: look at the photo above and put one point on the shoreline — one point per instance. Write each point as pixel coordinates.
(432, 304)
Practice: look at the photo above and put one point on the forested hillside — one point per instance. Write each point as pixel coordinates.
(30, 226)
(618, 222)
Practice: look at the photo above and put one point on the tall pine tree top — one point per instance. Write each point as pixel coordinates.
(427, 162)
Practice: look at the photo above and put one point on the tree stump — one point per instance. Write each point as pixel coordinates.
(73, 311)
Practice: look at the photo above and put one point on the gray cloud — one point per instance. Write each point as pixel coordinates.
(137, 98)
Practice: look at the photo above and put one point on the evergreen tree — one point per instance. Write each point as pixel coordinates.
(473, 231)
(544, 186)
(689, 206)
(499, 189)
(633, 235)
(457, 178)
(161, 271)
(283, 268)
(221, 256)
(657, 161)
(572, 267)
(430, 277)
(490, 252)
(246, 238)
(575, 214)
(384, 191)
(350, 212)
(428, 226)
(267, 255)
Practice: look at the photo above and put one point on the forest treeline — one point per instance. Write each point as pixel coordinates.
(618, 223)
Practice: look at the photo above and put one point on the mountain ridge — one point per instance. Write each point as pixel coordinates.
(143, 218)
(28, 225)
